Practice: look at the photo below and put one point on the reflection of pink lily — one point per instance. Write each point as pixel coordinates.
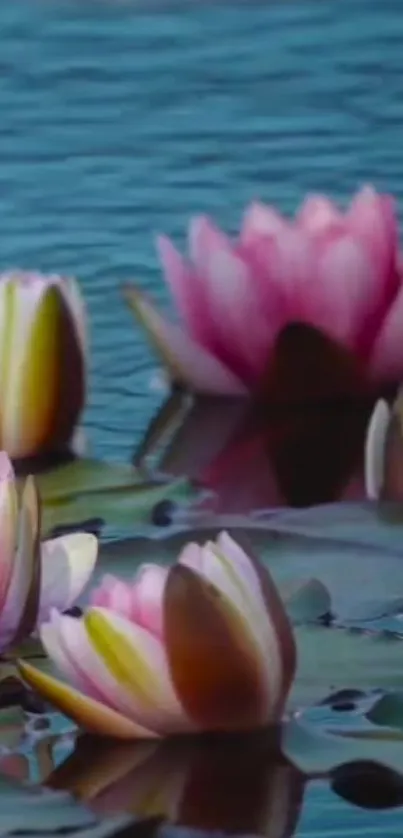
(257, 458)
(336, 271)
(241, 785)
(202, 646)
(35, 577)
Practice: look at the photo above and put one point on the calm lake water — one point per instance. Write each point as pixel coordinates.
(120, 120)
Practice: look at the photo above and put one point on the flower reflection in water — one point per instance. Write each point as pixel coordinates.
(284, 448)
(233, 785)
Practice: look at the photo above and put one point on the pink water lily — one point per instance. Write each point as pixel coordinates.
(203, 645)
(337, 271)
(35, 577)
(43, 352)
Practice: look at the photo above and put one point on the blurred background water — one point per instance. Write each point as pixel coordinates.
(119, 120)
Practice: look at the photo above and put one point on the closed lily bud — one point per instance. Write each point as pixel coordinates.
(35, 576)
(202, 646)
(42, 370)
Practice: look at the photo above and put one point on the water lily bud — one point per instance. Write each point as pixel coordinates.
(202, 646)
(42, 370)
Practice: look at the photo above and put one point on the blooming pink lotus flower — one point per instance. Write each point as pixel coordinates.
(43, 334)
(332, 270)
(35, 577)
(202, 646)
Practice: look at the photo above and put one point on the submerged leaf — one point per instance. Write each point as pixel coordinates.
(331, 659)
(388, 711)
(314, 750)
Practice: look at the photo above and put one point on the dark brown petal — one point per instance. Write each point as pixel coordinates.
(214, 662)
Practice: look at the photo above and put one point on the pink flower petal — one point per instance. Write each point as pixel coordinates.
(188, 291)
(387, 357)
(139, 601)
(346, 292)
(235, 302)
(317, 215)
(52, 638)
(261, 221)
(147, 598)
(372, 217)
(187, 361)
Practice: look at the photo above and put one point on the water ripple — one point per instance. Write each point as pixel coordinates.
(122, 119)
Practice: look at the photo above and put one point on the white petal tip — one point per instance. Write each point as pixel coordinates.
(79, 443)
(375, 449)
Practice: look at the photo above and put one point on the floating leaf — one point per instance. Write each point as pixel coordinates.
(314, 750)
(308, 601)
(84, 476)
(331, 659)
(121, 507)
(388, 711)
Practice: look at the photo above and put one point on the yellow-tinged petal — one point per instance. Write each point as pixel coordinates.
(44, 378)
(85, 712)
(214, 660)
(30, 393)
(137, 661)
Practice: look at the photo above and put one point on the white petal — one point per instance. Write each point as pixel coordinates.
(375, 449)
(67, 565)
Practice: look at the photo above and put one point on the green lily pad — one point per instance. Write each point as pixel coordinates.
(316, 750)
(331, 659)
(84, 476)
(307, 601)
(120, 507)
(388, 711)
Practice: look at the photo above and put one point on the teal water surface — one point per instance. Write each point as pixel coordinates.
(120, 120)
